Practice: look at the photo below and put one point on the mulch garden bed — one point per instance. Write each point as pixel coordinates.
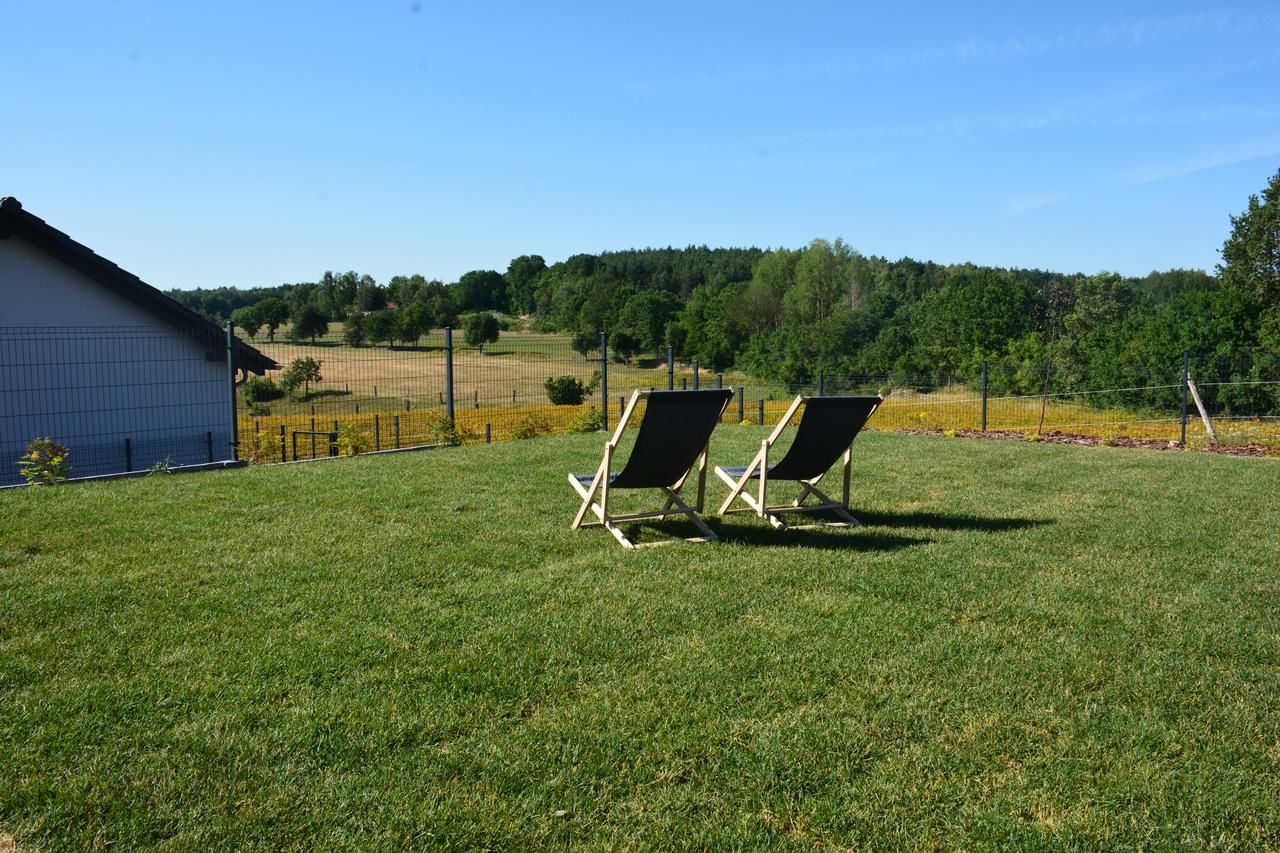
(1058, 437)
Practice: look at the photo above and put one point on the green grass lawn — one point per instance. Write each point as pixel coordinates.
(1027, 645)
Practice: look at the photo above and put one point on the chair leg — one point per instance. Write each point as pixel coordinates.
(587, 494)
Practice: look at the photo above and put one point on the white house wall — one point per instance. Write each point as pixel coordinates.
(89, 369)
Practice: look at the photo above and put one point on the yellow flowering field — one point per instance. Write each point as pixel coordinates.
(945, 410)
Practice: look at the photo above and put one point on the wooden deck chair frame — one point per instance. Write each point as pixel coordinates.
(595, 498)
(758, 469)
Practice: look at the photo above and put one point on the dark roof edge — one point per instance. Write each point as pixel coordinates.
(33, 229)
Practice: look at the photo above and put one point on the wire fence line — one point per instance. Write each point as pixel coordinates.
(129, 398)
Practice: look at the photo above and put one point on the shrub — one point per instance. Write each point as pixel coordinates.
(441, 430)
(162, 466)
(260, 389)
(565, 390)
(262, 449)
(44, 463)
(259, 410)
(301, 371)
(589, 422)
(352, 441)
(531, 427)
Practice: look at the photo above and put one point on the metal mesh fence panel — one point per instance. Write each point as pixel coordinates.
(119, 398)
(125, 398)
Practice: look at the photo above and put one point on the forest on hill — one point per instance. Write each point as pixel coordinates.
(786, 314)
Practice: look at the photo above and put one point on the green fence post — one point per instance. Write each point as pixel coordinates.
(604, 381)
(448, 371)
(1186, 374)
(984, 395)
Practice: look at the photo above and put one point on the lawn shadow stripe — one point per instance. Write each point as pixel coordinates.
(940, 521)
(824, 538)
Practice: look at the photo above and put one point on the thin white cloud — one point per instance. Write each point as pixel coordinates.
(1126, 35)
(1214, 160)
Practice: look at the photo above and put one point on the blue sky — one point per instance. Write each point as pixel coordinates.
(257, 143)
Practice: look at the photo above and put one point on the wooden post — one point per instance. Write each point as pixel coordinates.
(1204, 414)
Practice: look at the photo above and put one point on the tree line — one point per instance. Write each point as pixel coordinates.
(785, 315)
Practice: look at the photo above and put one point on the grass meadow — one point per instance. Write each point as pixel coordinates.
(1026, 646)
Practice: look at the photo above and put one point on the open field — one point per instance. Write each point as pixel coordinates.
(503, 390)
(1026, 646)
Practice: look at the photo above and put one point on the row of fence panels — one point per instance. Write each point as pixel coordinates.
(127, 398)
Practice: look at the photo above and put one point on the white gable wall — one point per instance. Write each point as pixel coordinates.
(90, 369)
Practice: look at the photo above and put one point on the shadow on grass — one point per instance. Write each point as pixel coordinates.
(826, 538)
(940, 521)
(323, 394)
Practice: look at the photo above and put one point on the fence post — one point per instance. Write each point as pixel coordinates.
(671, 368)
(128, 455)
(622, 405)
(448, 371)
(762, 411)
(719, 381)
(1186, 372)
(313, 435)
(604, 381)
(396, 420)
(283, 455)
(231, 392)
(822, 383)
(742, 393)
(377, 434)
(208, 438)
(696, 383)
(333, 444)
(488, 434)
(684, 383)
(984, 395)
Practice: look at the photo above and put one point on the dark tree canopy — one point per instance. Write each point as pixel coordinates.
(481, 328)
(311, 323)
(480, 290)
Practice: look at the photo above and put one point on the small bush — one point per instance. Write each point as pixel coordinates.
(565, 390)
(262, 449)
(352, 441)
(531, 427)
(162, 466)
(591, 421)
(44, 463)
(259, 410)
(260, 389)
(441, 430)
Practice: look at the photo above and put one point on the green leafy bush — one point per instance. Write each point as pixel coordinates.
(591, 421)
(531, 427)
(260, 389)
(352, 441)
(441, 430)
(44, 463)
(262, 449)
(565, 390)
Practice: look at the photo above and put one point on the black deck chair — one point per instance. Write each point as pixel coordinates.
(826, 430)
(673, 438)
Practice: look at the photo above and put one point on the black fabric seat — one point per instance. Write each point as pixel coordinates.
(825, 433)
(673, 437)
